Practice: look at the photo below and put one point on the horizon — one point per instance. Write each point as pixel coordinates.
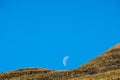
(37, 33)
(57, 69)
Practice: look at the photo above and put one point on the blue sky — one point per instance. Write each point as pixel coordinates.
(39, 33)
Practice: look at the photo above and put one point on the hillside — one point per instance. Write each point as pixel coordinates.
(110, 75)
(104, 67)
(109, 60)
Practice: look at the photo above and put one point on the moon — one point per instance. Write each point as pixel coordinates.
(65, 59)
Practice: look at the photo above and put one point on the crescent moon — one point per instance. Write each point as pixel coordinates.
(65, 59)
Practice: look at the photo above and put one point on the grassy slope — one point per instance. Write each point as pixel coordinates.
(104, 66)
(39, 74)
(63, 75)
(110, 60)
(110, 75)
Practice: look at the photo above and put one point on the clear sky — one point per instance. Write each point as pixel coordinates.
(39, 33)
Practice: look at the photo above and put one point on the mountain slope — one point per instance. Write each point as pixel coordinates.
(109, 75)
(104, 67)
(109, 60)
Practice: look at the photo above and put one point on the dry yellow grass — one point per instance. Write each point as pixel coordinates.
(110, 60)
(110, 75)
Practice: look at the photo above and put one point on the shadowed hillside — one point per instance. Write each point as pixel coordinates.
(104, 67)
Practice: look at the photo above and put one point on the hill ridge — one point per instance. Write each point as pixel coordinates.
(107, 62)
